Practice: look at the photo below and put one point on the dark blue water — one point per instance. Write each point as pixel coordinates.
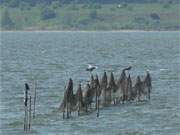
(52, 57)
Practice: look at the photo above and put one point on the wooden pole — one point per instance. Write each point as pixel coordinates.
(78, 108)
(96, 97)
(67, 108)
(64, 106)
(29, 113)
(25, 106)
(98, 107)
(67, 111)
(64, 110)
(35, 87)
(25, 110)
(25, 119)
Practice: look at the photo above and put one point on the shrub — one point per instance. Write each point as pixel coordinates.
(74, 7)
(13, 3)
(93, 14)
(84, 6)
(130, 8)
(97, 6)
(124, 5)
(141, 20)
(94, 6)
(68, 19)
(113, 9)
(84, 21)
(154, 16)
(56, 4)
(47, 13)
(166, 5)
(24, 6)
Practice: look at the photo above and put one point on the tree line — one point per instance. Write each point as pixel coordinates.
(17, 3)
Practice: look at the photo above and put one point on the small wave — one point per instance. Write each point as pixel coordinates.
(163, 69)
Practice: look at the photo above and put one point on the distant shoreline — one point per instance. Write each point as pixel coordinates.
(89, 30)
(88, 17)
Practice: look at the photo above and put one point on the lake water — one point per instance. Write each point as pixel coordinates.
(53, 57)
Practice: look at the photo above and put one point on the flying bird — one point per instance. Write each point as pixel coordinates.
(91, 67)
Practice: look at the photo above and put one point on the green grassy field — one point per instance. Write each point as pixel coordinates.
(96, 17)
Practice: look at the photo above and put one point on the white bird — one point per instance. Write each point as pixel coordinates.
(91, 67)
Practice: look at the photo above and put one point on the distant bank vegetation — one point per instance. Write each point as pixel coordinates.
(92, 15)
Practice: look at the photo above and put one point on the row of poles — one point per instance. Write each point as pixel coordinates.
(69, 99)
(67, 105)
(28, 106)
(110, 91)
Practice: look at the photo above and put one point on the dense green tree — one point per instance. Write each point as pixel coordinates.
(93, 14)
(24, 6)
(47, 13)
(31, 2)
(7, 22)
(13, 3)
(155, 16)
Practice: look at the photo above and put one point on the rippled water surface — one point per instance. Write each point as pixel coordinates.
(53, 57)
